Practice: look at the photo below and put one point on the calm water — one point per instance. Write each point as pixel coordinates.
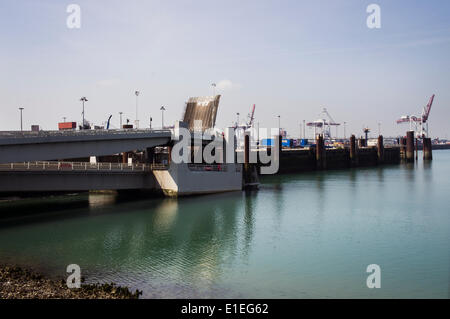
(300, 236)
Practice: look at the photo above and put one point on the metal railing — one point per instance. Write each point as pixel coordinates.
(80, 166)
(210, 167)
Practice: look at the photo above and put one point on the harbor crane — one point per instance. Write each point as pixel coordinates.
(324, 123)
(249, 124)
(420, 122)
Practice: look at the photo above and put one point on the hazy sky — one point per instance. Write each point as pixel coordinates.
(288, 57)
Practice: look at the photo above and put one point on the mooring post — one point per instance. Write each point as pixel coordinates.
(403, 147)
(380, 149)
(246, 148)
(410, 146)
(427, 149)
(246, 157)
(417, 149)
(353, 155)
(319, 151)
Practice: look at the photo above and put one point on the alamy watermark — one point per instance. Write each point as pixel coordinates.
(374, 279)
(74, 279)
(222, 148)
(374, 19)
(73, 21)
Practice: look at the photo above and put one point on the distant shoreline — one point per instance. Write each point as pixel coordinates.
(20, 283)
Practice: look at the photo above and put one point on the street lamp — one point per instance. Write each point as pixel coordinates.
(379, 128)
(151, 122)
(83, 99)
(162, 116)
(137, 121)
(344, 130)
(21, 123)
(279, 125)
(237, 121)
(120, 113)
(214, 88)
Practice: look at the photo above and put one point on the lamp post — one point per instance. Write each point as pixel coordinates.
(120, 114)
(136, 122)
(162, 116)
(379, 128)
(237, 121)
(21, 123)
(64, 119)
(279, 124)
(344, 130)
(304, 130)
(214, 88)
(83, 99)
(151, 122)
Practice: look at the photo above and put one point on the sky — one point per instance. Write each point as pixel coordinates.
(290, 58)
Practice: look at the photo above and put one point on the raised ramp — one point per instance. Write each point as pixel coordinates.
(203, 108)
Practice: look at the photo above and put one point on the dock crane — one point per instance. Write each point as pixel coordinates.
(324, 124)
(421, 122)
(251, 118)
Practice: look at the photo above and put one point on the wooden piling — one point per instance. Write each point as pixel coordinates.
(353, 153)
(380, 149)
(402, 147)
(417, 149)
(427, 149)
(410, 146)
(319, 152)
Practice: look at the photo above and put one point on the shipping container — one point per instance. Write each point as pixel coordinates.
(67, 125)
(267, 142)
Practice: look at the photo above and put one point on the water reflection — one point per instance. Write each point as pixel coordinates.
(299, 235)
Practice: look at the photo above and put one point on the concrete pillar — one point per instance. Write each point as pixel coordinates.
(169, 154)
(380, 149)
(410, 146)
(427, 149)
(149, 155)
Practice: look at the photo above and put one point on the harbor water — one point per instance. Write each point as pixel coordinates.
(308, 235)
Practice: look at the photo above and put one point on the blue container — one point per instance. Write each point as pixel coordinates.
(267, 142)
(303, 142)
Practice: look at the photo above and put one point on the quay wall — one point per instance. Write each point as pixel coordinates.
(301, 160)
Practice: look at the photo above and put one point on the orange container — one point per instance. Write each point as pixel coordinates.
(67, 125)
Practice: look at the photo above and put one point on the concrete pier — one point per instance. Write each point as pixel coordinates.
(410, 146)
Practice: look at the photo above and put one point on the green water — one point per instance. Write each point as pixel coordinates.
(308, 235)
